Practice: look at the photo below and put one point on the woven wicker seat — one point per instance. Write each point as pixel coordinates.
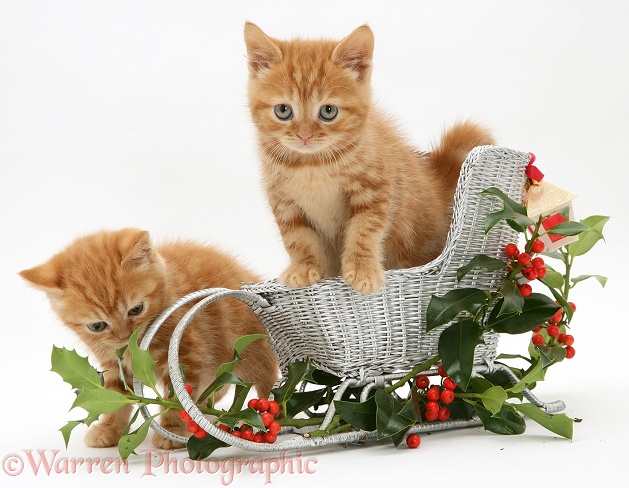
(370, 339)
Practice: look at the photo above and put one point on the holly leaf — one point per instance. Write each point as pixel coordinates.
(239, 346)
(536, 310)
(553, 279)
(142, 363)
(74, 369)
(513, 301)
(388, 419)
(590, 237)
(296, 373)
(300, 401)
(513, 213)
(240, 395)
(550, 354)
(568, 229)
(493, 398)
(536, 374)
(480, 261)
(506, 421)
(130, 441)
(101, 401)
(456, 347)
(601, 279)
(559, 424)
(203, 448)
(224, 379)
(361, 415)
(67, 429)
(249, 416)
(442, 310)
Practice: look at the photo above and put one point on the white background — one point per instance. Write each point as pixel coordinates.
(134, 113)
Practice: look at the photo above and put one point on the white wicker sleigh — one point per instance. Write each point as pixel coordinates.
(371, 339)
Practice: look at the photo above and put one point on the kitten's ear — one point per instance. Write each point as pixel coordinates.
(45, 277)
(355, 52)
(261, 51)
(136, 249)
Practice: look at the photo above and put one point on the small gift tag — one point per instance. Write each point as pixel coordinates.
(549, 201)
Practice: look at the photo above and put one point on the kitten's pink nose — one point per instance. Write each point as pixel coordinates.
(305, 138)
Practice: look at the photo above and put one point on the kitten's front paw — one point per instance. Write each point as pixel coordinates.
(166, 444)
(298, 275)
(173, 425)
(364, 277)
(102, 435)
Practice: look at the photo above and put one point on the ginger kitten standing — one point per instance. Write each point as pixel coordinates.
(106, 285)
(349, 194)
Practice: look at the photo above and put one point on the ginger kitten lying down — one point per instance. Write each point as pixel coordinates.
(106, 285)
(350, 195)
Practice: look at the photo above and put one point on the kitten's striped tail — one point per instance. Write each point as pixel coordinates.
(454, 147)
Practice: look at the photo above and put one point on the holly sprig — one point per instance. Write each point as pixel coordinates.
(462, 316)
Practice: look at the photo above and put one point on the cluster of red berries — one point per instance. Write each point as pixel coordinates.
(437, 397)
(531, 268)
(268, 409)
(553, 331)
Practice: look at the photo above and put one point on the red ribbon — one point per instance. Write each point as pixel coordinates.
(533, 173)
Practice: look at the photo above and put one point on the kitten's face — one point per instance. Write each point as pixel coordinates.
(309, 97)
(104, 286)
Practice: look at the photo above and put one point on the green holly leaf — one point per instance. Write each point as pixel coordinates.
(74, 369)
(249, 416)
(296, 373)
(239, 346)
(553, 279)
(203, 448)
(240, 396)
(505, 422)
(388, 419)
(590, 237)
(221, 381)
(442, 310)
(480, 261)
(361, 415)
(559, 424)
(101, 401)
(142, 364)
(536, 310)
(513, 213)
(550, 354)
(601, 279)
(301, 401)
(67, 429)
(513, 301)
(130, 441)
(456, 348)
(568, 229)
(536, 374)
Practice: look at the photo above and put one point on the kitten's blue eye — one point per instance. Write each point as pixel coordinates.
(137, 310)
(283, 112)
(98, 326)
(328, 112)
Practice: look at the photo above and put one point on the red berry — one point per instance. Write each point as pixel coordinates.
(557, 317)
(447, 396)
(269, 437)
(422, 381)
(184, 416)
(253, 403)
(444, 413)
(530, 273)
(449, 384)
(247, 434)
(572, 306)
(262, 405)
(524, 258)
(526, 290)
(552, 330)
(193, 426)
(538, 246)
(432, 415)
(433, 394)
(275, 427)
(432, 407)
(274, 408)
(413, 441)
(259, 438)
(568, 340)
(537, 329)
(561, 337)
(224, 427)
(442, 372)
(267, 418)
(237, 433)
(188, 388)
(200, 434)
(538, 339)
(512, 250)
(541, 273)
(537, 263)
(570, 352)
